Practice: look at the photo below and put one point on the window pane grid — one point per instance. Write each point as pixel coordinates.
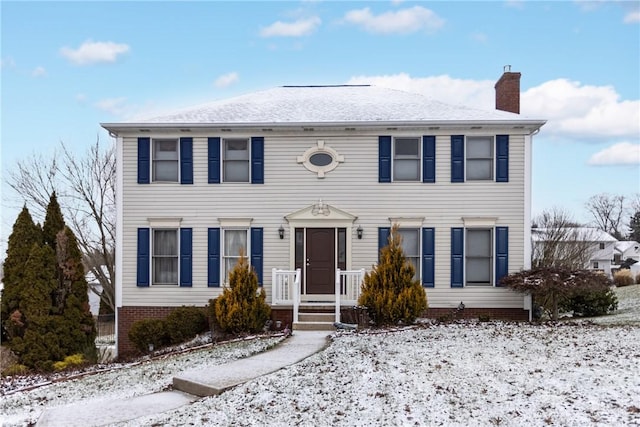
(479, 158)
(234, 242)
(406, 159)
(165, 257)
(411, 248)
(235, 163)
(479, 258)
(165, 160)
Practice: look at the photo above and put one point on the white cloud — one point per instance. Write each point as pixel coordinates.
(402, 21)
(7, 62)
(585, 111)
(115, 106)
(226, 80)
(39, 72)
(516, 4)
(301, 27)
(81, 97)
(632, 17)
(91, 52)
(479, 37)
(572, 110)
(472, 93)
(623, 153)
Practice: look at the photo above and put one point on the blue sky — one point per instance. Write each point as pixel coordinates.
(68, 66)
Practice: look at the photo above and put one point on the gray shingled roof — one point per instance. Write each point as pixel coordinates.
(328, 104)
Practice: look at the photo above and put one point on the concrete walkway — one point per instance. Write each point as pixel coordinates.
(188, 385)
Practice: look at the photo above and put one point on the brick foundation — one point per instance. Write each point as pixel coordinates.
(128, 315)
(284, 315)
(474, 313)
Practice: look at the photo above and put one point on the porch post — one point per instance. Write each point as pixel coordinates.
(337, 295)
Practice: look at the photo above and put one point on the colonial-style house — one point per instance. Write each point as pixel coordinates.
(308, 181)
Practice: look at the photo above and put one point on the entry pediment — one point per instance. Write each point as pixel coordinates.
(320, 211)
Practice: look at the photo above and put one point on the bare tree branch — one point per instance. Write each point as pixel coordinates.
(85, 185)
(558, 241)
(609, 212)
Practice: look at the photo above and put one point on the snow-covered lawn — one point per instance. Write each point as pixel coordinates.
(510, 374)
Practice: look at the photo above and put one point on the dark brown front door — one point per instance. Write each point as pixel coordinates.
(321, 260)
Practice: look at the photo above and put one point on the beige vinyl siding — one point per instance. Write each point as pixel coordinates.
(352, 187)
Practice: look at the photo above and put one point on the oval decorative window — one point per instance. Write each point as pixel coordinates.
(320, 159)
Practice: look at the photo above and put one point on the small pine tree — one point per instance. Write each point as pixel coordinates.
(634, 227)
(241, 308)
(390, 292)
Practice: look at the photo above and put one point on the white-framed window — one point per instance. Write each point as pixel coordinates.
(406, 159)
(235, 160)
(411, 247)
(601, 245)
(165, 160)
(165, 256)
(479, 257)
(479, 158)
(595, 264)
(234, 241)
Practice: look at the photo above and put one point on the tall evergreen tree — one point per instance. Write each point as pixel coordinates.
(634, 227)
(24, 235)
(53, 222)
(72, 299)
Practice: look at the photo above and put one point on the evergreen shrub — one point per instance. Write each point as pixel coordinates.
(590, 303)
(15, 369)
(185, 323)
(148, 331)
(623, 278)
(390, 292)
(241, 307)
(72, 361)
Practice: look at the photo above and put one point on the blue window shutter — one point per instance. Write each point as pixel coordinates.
(186, 255)
(257, 160)
(383, 238)
(384, 159)
(213, 257)
(144, 160)
(142, 278)
(214, 160)
(502, 253)
(428, 158)
(457, 158)
(502, 158)
(186, 160)
(457, 257)
(256, 252)
(428, 257)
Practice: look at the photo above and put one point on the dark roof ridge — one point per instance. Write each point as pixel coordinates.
(326, 86)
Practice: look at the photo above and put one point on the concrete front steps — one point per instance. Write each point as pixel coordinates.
(315, 318)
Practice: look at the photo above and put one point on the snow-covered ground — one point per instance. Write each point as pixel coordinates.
(509, 374)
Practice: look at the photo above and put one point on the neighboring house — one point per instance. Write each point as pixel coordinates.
(624, 250)
(597, 245)
(313, 178)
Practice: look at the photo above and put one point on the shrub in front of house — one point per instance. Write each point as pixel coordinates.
(590, 303)
(390, 292)
(184, 323)
(148, 334)
(623, 278)
(241, 307)
(73, 361)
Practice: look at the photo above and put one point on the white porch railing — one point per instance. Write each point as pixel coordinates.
(285, 289)
(348, 286)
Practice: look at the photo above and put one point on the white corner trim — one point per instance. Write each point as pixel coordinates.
(235, 222)
(164, 222)
(479, 221)
(407, 222)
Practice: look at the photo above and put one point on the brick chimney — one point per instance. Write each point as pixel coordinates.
(508, 91)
